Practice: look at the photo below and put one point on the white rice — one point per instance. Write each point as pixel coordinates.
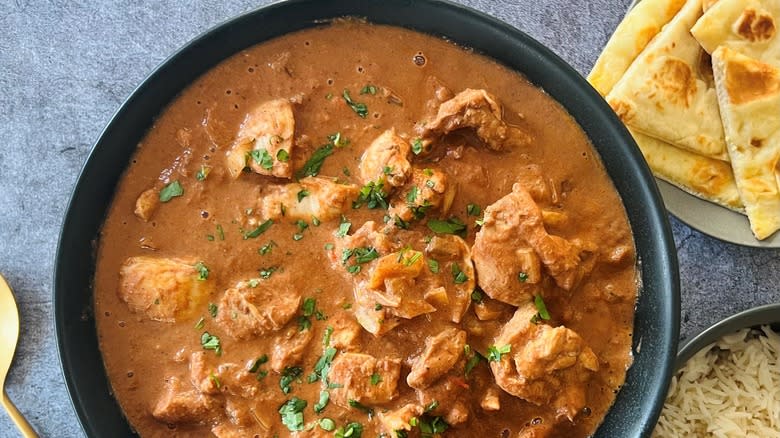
(729, 389)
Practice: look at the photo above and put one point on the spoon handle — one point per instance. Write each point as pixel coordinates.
(17, 417)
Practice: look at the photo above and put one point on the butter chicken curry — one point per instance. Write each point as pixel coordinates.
(362, 231)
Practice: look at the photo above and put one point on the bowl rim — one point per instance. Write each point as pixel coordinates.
(659, 274)
(767, 314)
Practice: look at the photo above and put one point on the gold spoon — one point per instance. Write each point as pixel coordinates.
(9, 335)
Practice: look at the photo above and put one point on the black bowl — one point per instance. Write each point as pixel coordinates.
(657, 317)
(768, 314)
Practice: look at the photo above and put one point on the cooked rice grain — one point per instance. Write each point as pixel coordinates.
(729, 389)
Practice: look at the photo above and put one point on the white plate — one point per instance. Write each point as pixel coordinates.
(709, 218)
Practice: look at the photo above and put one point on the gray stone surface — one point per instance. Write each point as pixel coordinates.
(65, 67)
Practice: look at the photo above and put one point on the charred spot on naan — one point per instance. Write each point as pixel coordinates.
(755, 26)
(751, 80)
(677, 81)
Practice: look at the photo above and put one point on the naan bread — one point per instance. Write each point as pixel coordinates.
(666, 93)
(638, 27)
(704, 177)
(706, 4)
(701, 176)
(749, 97)
(748, 26)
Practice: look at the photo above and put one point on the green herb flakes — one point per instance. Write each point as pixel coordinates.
(495, 353)
(458, 276)
(283, 156)
(327, 424)
(376, 379)
(433, 265)
(263, 158)
(171, 191)
(372, 196)
(202, 173)
(417, 146)
(211, 342)
(203, 271)
(302, 194)
(359, 108)
(473, 210)
(289, 374)
(322, 402)
(292, 414)
(452, 225)
(369, 89)
(213, 310)
(314, 163)
(262, 228)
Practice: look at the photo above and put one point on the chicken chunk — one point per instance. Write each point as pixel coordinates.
(399, 420)
(477, 110)
(265, 141)
(439, 356)
(513, 245)
(386, 159)
(211, 377)
(345, 331)
(428, 191)
(354, 370)
(182, 404)
(454, 258)
(545, 365)
(257, 307)
(289, 348)
(324, 199)
(447, 398)
(146, 204)
(164, 289)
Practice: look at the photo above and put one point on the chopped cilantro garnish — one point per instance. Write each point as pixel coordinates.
(376, 379)
(262, 228)
(541, 308)
(302, 194)
(359, 108)
(452, 225)
(360, 406)
(522, 277)
(266, 249)
(220, 232)
(327, 424)
(417, 146)
(473, 210)
(412, 195)
(337, 140)
(372, 196)
(433, 265)
(351, 430)
(369, 89)
(323, 402)
(343, 228)
(292, 413)
(288, 375)
(170, 191)
(283, 156)
(431, 406)
(211, 342)
(265, 273)
(458, 276)
(314, 163)
(495, 353)
(202, 173)
(260, 361)
(476, 296)
(213, 310)
(263, 158)
(200, 324)
(315, 221)
(203, 271)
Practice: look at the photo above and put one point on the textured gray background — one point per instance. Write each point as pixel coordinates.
(66, 66)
